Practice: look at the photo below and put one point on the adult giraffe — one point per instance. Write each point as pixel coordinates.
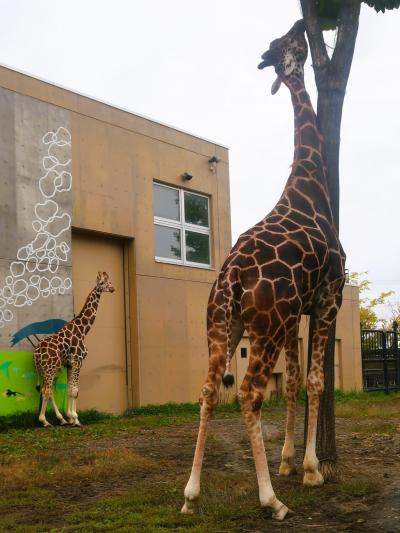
(67, 348)
(290, 263)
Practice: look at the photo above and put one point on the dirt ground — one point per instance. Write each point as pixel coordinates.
(371, 460)
(367, 497)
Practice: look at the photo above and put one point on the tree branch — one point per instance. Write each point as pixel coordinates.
(346, 39)
(319, 54)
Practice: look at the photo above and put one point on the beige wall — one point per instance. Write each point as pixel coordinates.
(104, 372)
(159, 328)
(116, 156)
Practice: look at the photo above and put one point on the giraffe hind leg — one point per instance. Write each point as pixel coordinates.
(288, 466)
(57, 412)
(208, 400)
(46, 395)
(251, 396)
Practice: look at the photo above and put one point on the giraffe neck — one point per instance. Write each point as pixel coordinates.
(307, 138)
(308, 162)
(86, 317)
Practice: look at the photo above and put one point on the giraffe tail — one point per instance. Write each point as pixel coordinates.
(228, 379)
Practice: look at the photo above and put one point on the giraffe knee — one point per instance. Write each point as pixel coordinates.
(251, 400)
(47, 392)
(208, 396)
(74, 392)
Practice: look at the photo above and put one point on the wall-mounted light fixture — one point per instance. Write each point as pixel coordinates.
(187, 176)
(213, 161)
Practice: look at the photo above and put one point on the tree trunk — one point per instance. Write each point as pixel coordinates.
(331, 77)
(329, 116)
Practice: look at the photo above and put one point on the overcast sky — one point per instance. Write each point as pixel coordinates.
(193, 64)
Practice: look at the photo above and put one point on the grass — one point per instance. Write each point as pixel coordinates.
(364, 403)
(359, 488)
(126, 473)
(29, 419)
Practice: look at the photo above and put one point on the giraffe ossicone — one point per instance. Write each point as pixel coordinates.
(66, 348)
(290, 263)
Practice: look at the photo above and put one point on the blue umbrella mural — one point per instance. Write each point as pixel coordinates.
(18, 375)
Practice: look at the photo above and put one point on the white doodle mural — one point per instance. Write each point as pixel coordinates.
(35, 273)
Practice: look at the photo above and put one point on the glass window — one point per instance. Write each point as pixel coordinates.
(182, 228)
(197, 247)
(168, 242)
(166, 202)
(196, 209)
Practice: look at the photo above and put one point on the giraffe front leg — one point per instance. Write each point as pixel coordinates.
(73, 380)
(315, 387)
(74, 410)
(288, 466)
(69, 396)
(324, 317)
(312, 476)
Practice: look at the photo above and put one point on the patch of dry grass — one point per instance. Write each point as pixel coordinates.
(49, 469)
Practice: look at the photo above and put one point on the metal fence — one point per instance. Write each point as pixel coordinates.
(380, 359)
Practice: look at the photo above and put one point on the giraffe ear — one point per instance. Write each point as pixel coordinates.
(276, 85)
(98, 276)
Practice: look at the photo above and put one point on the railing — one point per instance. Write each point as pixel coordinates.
(380, 359)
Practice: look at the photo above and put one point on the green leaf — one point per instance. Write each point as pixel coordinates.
(328, 10)
(382, 5)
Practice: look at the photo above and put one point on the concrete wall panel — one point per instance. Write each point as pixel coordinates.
(36, 208)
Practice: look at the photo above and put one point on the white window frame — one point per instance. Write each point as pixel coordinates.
(183, 227)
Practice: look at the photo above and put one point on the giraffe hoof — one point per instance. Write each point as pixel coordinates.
(313, 479)
(281, 513)
(76, 424)
(63, 422)
(287, 469)
(47, 425)
(188, 507)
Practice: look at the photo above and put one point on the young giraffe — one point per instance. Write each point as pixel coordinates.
(291, 263)
(66, 348)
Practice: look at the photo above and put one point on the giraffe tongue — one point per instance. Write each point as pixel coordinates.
(276, 85)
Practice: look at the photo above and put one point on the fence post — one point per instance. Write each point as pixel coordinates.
(385, 362)
(396, 351)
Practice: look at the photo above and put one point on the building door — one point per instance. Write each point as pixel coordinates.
(103, 381)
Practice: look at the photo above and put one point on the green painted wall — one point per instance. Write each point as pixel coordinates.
(18, 380)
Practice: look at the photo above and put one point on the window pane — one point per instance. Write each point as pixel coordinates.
(197, 247)
(196, 209)
(168, 242)
(166, 202)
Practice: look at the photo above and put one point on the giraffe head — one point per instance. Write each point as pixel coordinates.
(287, 54)
(103, 283)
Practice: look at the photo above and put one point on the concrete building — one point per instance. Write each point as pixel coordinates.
(87, 187)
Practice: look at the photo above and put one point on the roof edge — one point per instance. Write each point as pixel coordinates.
(124, 109)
